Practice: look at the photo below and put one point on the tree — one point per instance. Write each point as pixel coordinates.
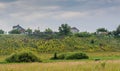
(1, 31)
(102, 30)
(48, 31)
(14, 31)
(36, 31)
(64, 29)
(29, 31)
(117, 32)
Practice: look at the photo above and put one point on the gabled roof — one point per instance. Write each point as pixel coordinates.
(18, 26)
(75, 28)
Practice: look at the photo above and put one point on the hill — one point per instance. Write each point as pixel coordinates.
(15, 43)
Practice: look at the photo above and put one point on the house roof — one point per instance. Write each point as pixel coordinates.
(75, 28)
(18, 27)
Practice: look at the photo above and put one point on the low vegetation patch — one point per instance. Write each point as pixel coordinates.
(70, 56)
(23, 57)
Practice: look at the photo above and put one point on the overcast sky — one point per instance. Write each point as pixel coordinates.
(86, 15)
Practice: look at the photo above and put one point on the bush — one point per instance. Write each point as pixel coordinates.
(61, 56)
(73, 55)
(54, 57)
(83, 34)
(76, 56)
(23, 57)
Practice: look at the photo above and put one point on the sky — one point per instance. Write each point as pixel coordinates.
(86, 15)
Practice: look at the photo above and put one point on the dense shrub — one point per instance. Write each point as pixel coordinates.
(54, 57)
(23, 57)
(61, 56)
(73, 55)
(76, 55)
(83, 34)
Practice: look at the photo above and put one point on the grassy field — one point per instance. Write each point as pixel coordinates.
(105, 49)
(109, 65)
(109, 61)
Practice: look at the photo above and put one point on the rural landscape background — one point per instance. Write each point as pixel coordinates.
(59, 35)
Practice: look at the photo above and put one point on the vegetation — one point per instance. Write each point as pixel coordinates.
(76, 55)
(23, 57)
(102, 50)
(64, 29)
(70, 56)
(1, 31)
(14, 31)
(110, 65)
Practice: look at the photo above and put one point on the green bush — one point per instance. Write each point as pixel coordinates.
(61, 56)
(83, 34)
(76, 55)
(23, 57)
(54, 57)
(72, 55)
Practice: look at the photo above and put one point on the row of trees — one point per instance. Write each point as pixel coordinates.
(65, 30)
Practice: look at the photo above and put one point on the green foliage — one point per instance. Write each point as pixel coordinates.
(76, 55)
(83, 34)
(48, 31)
(14, 31)
(117, 32)
(55, 56)
(37, 32)
(102, 30)
(62, 56)
(23, 57)
(1, 31)
(64, 29)
(72, 55)
(29, 31)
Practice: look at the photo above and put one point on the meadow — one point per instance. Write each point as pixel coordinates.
(105, 49)
(109, 65)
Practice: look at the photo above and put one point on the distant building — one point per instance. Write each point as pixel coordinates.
(19, 28)
(102, 33)
(74, 30)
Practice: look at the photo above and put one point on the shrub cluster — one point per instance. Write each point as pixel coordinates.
(23, 57)
(73, 55)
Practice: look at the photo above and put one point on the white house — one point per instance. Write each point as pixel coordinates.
(74, 30)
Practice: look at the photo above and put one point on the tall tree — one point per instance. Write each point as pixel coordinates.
(1, 31)
(118, 31)
(36, 31)
(102, 30)
(48, 31)
(29, 31)
(64, 29)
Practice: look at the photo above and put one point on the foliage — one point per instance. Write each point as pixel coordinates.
(102, 30)
(14, 31)
(76, 55)
(37, 32)
(55, 56)
(1, 31)
(64, 29)
(72, 55)
(23, 57)
(29, 31)
(83, 34)
(117, 33)
(48, 31)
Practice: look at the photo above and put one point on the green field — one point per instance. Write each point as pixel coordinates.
(106, 49)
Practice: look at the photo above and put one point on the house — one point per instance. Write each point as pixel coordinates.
(102, 33)
(74, 30)
(19, 28)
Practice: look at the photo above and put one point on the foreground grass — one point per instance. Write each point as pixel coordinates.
(109, 65)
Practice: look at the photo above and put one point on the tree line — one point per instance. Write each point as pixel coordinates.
(65, 30)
